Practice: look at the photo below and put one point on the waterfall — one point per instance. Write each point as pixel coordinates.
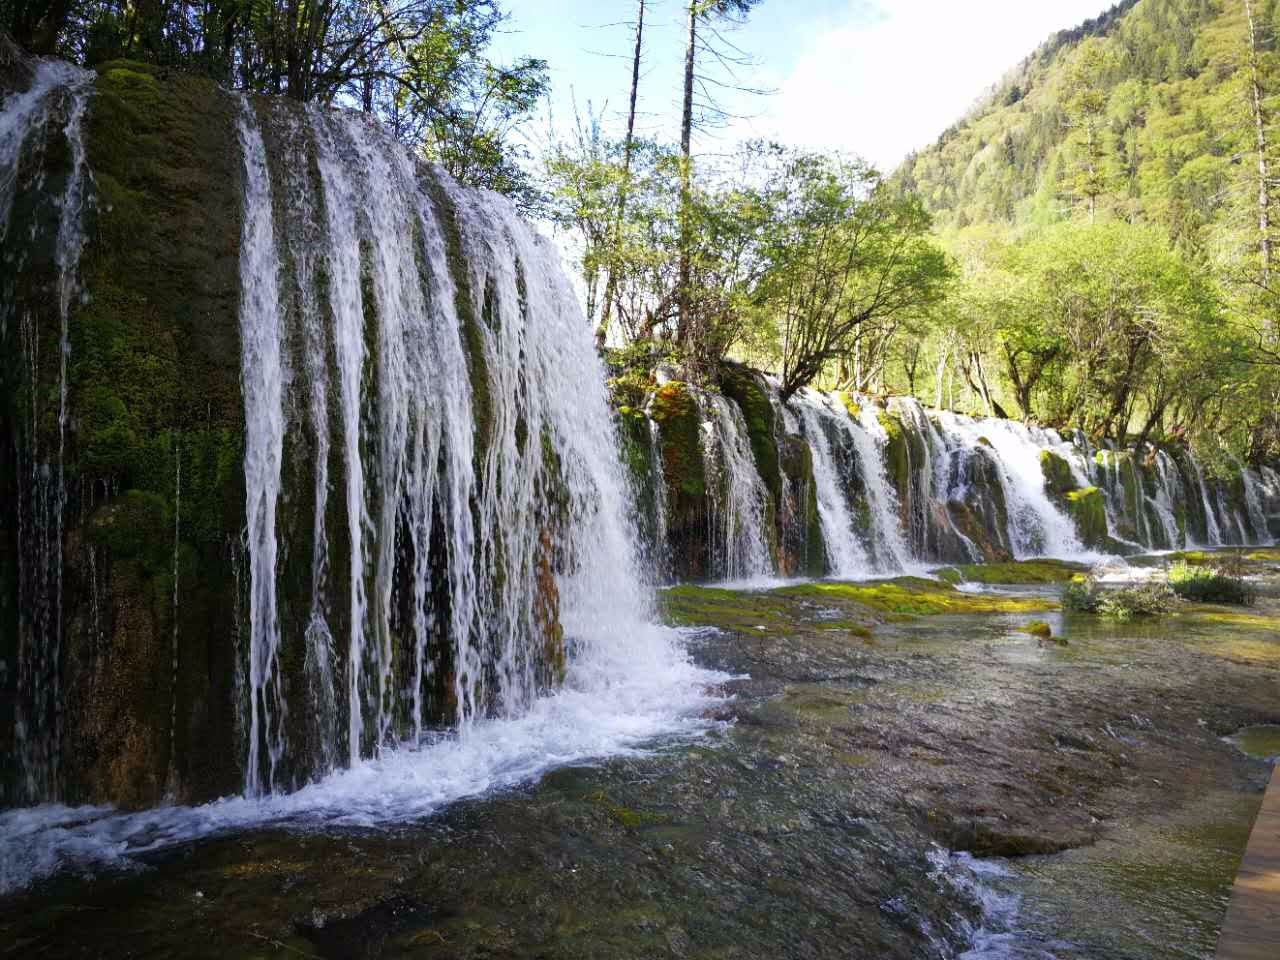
(846, 554)
(307, 256)
(59, 92)
(262, 373)
(480, 520)
(1270, 483)
(889, 546)
(1036, 526)
(1238, 536)
(1165, 501)
(661, 544)
(25, 113)
(1253, 503)
(1213, 530)
(739, 517)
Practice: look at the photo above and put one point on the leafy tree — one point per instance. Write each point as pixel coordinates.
(421, 65)
(845, 261)
(1131, 320)
(1086, 112)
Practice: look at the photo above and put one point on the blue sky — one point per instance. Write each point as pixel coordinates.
(873, 77)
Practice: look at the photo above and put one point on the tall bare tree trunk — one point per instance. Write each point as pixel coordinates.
(982, 383)
(611, 282)
(686, 174)
(942, 369)
(1264, 199)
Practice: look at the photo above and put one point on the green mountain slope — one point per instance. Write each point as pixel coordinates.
(1145, 114)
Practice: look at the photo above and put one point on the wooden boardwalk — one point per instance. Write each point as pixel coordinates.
(1251, 930)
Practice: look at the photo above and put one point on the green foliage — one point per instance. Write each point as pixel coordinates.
(846, 263)
(1081, 596)
(1210, 585)
(1152, 599)
(421, 66)
(1123, 604)
(1104, 206)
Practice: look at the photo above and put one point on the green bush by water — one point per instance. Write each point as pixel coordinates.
(1152, 599)
(1210, 585)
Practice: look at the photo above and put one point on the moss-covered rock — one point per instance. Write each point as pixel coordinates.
(152, 448)
(801, 550)
(1058, 478)
(980, 515)
(898, 458)
(746, 388)
(913, 596)
(1016, 572)
(675, 410)
(1087, 508)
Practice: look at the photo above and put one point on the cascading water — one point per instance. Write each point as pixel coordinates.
(1167, 496)
(263, 375)
(739, 514)
(486, 579)
(1214, 530)
(846, 555)
(661, 544)
(888, 545)
(929, 488)
(1036, 526)
(1253, 504)
(59, 93)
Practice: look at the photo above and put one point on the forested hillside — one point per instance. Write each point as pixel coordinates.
(1110, 205)
(1146, 113)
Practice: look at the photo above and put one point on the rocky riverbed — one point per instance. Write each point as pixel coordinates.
(898, 769)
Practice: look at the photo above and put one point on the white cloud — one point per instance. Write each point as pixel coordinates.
(881, 86)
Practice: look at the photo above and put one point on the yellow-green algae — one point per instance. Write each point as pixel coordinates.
(690, 605)
(915, 596)
(1259, 741)
(1014, 572)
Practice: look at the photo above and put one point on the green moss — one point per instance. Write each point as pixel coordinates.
(1038, 628)
(625, 816)
(1088, 510)
(745, 389)
(730, 609)
(854, 408)
(897, 455)
(469, 322)
(916, 597)
(1058, 479)
(676, 413)
(1013, 572)
(136, 525)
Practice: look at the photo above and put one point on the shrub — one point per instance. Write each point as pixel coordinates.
(1152, 599)
(1210, 585)
(1081, 596)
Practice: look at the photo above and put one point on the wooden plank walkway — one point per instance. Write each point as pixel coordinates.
(1251, 930)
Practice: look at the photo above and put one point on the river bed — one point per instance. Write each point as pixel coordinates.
(861, 782)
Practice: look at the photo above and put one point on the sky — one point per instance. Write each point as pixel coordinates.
(876, 78)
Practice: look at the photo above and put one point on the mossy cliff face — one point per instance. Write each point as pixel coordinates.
(801, 551)
(748, 391)
(1086, 506)
(675, 410)
(144, 693)
(980, 514)
(784, 463)
(153, 439)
